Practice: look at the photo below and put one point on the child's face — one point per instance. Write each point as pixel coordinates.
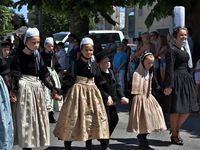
(49, 47)
(104, 64)
(148, 62)
(87, 51)
(6, 51)
(33, 43)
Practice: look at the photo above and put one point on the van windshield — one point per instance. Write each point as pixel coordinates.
(59, 37)
(104, 38)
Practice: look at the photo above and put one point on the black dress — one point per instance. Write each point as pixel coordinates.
(110, 88)
(183, 98)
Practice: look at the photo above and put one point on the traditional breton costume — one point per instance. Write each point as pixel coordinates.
(29, 112)
(109, 87)
(53, 66)
(6, 122)
(146, 114)
(83, 116)
(178, 74)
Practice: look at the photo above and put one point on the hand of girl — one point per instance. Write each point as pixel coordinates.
(167, 91)
(124, 100)
(13, 98)
(57, 97)
(110, 101)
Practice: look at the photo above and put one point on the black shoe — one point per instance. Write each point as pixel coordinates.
(51, 117)
(68, 145)
(176, 140)
(88, 145)
(143, 142)
(145, 147)
(27, 148)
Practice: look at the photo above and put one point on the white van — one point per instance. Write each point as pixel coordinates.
(104, 35)
(61, 36)
(101, 35)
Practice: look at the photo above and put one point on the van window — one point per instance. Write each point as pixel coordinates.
(59, 37)
(103, 38)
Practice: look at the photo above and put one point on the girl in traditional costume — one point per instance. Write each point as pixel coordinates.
(146, 114)
(83, 115)
(29, 111)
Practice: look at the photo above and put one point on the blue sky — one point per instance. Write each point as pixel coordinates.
(22, 11)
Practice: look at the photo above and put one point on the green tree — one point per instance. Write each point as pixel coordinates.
(18, 20)
(5, 17)
(80, 12)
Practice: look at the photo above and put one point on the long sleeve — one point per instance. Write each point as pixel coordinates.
(169, 74)
(5, 73)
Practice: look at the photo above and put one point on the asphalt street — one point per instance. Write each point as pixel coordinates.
(122, 140)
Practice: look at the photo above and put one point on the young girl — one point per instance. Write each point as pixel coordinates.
(83, 116)
(54, 68)
(29, 111)
(146, 115)
(111, 91)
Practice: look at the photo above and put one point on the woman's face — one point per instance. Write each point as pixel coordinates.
(181, 37)
(87, 51)
(33, 43)
(104, 64)
(148, 62)
(49, 47)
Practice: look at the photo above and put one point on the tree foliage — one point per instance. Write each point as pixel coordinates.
(5, 20)
(92, 8)
(53, 23)
(18, 20)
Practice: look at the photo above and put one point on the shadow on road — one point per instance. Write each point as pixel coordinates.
(134, 141)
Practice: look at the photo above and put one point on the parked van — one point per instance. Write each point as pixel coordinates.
(101, 35)
(61, 36)
(104, 35)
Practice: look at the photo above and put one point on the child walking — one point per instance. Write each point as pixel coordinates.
(146, 114)
(111, 91)
(30, 115)
(83, 115)
(50, 60)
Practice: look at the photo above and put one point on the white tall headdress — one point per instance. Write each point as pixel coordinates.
(179, 21)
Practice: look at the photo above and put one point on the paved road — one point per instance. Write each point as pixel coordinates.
(121, 140)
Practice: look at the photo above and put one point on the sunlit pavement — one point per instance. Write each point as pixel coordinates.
(121, 140)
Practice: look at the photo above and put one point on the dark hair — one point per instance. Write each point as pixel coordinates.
(144, 55)
(61, 44)
(155, 33)
(125, 41)
(177, 30)
(71, 35)
(163, 40)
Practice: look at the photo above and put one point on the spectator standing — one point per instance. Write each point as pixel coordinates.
(119, 65)
(164, 47)
(197, 79)
(61, 56)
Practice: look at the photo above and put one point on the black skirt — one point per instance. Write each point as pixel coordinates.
(183, 98)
